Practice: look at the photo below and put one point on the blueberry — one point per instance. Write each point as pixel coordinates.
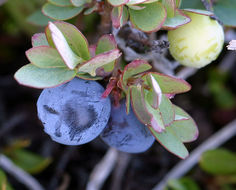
(74, 113)
(126, 133)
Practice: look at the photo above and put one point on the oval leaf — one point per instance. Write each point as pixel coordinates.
(149, 19)
(60, 13)
(45, 57)
(61, 3)
(69, 57)
(39, 39)
(32, 76)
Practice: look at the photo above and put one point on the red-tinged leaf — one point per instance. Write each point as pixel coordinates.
(45, 57)
(60, 13)
(198, 11)
(39, 39)
(75, 39)
(178, 20)
(155, 91)
(92, 50)
(167, 111)
(78, 3)
(185, 129)
(135, 2)
(135, 67)
(156, 118)
(150, 19)
(170, 7)
(32, 76)
(138, 105)
(171, 142)
(87, 76)
(116, 3)
(106, 43)
(168, 84)
(136, 7)
(99, 61)
(127, 102)
(119, 16)
(60, 3)
(63, 48)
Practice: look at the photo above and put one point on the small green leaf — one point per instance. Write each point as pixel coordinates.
(106, 43)
(39, 39)
(184, 183)
(199, 11)
(170, 85)
(178, 20)
(171, 142)
(98, 61)
(138, 104)
(75, 39)
(63, 48)
(167, 111)
(156, 121)
(38, 19)
(185, 129)
(87, 76)
(116, 3)
(135, 2)
(149, 19)
(30, 75)
(60, 3)
(78, 3)
(135, 67)
(45, 57)
(170, 7)
(61, 13)
(4, 185)
(218, 162)
(29, 161)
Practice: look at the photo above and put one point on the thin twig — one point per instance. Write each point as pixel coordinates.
(62, 163)
(184, 166)
(121, 166)
(11, 123)
(102, 170)
(23, 177)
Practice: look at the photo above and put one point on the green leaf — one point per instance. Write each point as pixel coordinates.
(178, 20)
(170, 85)
(170, 7)
(29, 161)
(78, 3)
(63, 48)
(149, 19)
(45, 57)
(4, 185)
(106, 43)
(225, 11)
(199, 11)
(171, 142)
(156, 121)
(167, 110)
(39, 39)
(32, 76)
(98, 61)
(184, 126)
(194, 4)
(135, 2)
(61, 13)
(135, 67)
(75, 39)
(218, 162)
(38, 19)
(87, 76)
(138, 104)
(119, 16)
(184, 183)
(116, 3)
(60, 3)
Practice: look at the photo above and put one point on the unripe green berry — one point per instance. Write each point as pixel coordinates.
(197, 43)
